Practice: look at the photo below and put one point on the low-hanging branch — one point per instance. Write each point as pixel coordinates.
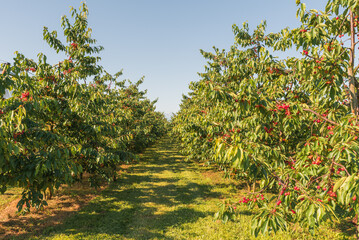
(322, 117)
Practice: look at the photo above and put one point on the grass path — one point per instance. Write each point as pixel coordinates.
(162, 197)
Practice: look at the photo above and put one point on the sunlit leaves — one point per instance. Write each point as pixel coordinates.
(283, 123)
(56, 127)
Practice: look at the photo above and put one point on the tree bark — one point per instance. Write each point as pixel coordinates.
(352, 89)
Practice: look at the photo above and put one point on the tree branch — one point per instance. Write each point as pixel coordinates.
(318, 115)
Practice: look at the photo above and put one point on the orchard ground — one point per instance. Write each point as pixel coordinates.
(160, 197)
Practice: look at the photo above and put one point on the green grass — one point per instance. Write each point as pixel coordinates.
(163, 197)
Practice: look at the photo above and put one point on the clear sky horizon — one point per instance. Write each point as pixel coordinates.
(157, 39)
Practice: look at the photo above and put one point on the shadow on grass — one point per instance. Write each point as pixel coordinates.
(347, 227)
(22, 227)
(120, 223)
(144, 203)
(246, 212)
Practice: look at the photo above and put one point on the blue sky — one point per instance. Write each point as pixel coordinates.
(157, 39)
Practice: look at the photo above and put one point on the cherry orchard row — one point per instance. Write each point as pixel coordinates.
(55, 127)
(289, 125)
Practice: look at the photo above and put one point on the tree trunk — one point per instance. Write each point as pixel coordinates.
(351, 74)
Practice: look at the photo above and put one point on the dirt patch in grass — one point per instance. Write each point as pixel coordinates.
(10, 195)
(218, 178)
(215, 177)
(68, 200)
